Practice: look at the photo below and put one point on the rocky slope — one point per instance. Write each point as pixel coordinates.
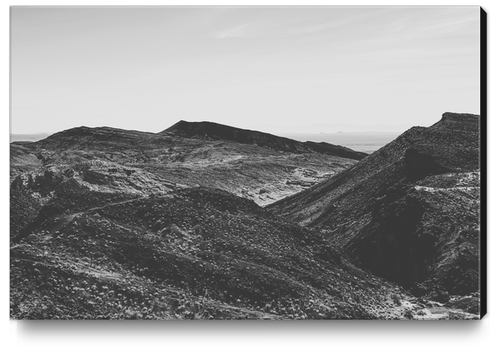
(195, 253)
(410, 212)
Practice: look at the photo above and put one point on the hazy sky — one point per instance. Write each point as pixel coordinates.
(297, 69)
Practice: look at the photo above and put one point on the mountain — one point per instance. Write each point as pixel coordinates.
(410, 212)
(115, 224)
(85, 137)
(105, 155)
(132, 164)
(223, 132)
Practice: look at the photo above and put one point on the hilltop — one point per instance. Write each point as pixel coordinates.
(223, 132)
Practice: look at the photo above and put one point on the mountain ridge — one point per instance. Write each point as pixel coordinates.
(208, 130)
(225, 132)
(406, 188)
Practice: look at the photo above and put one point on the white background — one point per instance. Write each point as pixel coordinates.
(223, 333)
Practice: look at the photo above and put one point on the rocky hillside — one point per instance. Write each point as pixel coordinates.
(410, 212)
(195, 253)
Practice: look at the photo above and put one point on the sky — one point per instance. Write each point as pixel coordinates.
(273, 69)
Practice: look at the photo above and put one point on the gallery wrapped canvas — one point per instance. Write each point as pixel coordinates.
(260, 163)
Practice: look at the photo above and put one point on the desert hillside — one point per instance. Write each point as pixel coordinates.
(410, 212)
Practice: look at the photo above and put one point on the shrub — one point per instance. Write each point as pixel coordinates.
(408, 314)
(396, 299)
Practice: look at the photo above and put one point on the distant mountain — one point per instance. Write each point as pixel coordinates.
(367, 142)
(410, 211)
(223, 132)
(81, 137)
(277, 168)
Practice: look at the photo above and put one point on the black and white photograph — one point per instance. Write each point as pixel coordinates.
(246, 162)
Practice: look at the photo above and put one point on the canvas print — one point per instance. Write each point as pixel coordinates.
(259, 163)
